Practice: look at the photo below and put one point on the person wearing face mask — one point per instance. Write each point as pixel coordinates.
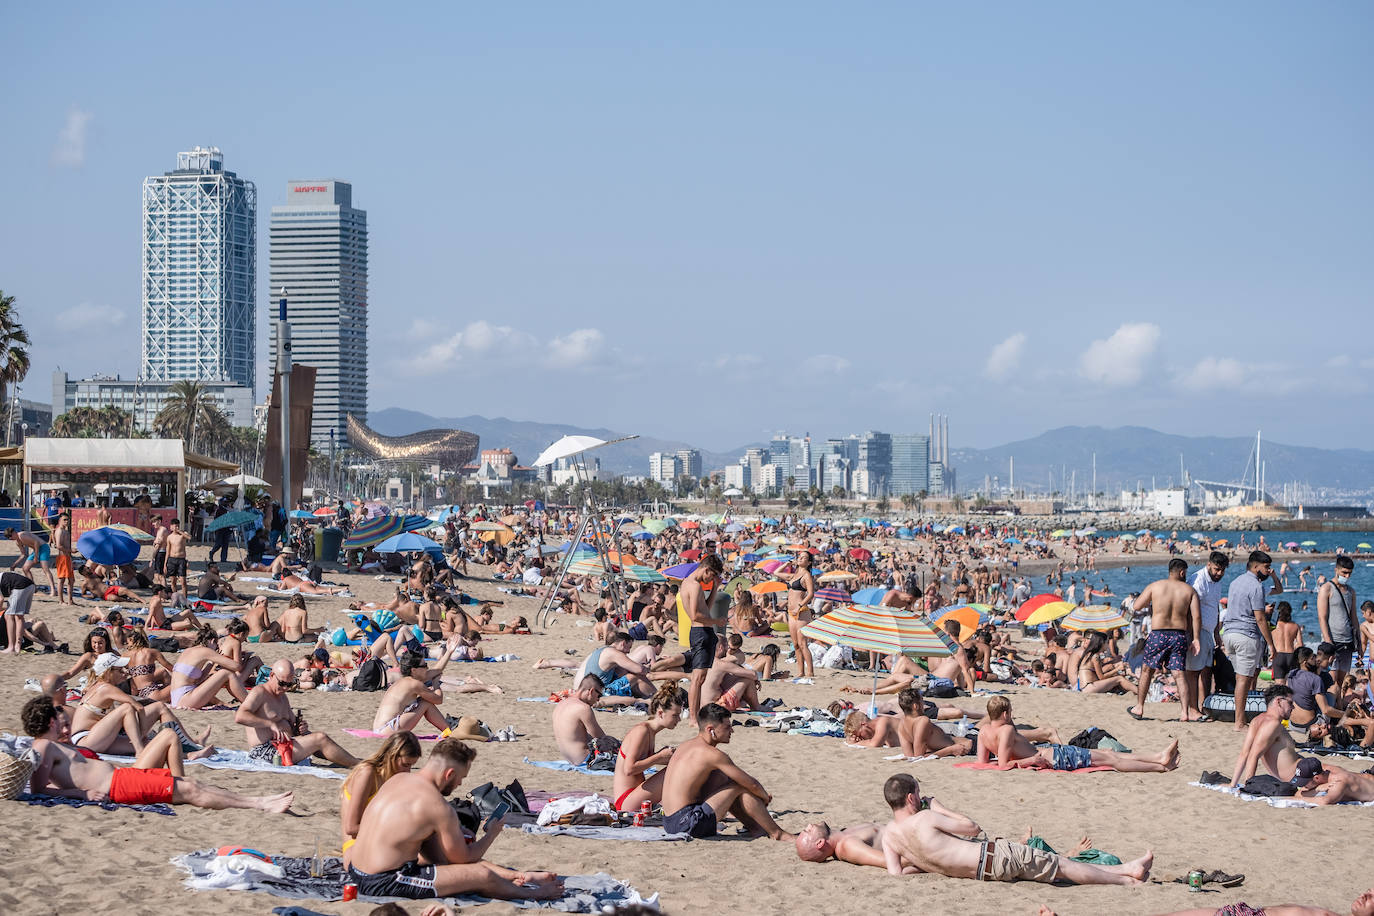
(1197, 668)
(1336, 614)
(1245, 626)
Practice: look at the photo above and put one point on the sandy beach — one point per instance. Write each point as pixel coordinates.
(64, 860)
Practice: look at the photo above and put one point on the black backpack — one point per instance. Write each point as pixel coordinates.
(371, 676)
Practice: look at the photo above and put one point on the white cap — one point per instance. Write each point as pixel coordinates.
(107, 661)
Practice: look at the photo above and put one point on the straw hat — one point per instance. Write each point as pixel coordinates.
(470, 728)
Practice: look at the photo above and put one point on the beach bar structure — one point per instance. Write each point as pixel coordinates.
(93, 465)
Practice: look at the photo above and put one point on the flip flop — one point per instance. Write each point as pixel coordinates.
(1130, 711)
(1203, 718)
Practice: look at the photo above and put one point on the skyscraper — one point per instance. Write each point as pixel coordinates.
(910, 465)
(319, 255)
(875, 460)
(199, 273)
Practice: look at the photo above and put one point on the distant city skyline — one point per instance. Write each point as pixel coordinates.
(1025, 216)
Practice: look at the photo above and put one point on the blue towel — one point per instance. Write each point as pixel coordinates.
(564, 766)
(52, 801)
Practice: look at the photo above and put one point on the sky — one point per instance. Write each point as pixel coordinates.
(714, 222)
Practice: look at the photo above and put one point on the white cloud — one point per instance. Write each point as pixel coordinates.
(1215, 372)
(736, 362)
(1005, 358)
(1120, 359)
(1339, 361)
(70, 149)
(576, 348)
(91, 316)
(477, 339)
(827, 364)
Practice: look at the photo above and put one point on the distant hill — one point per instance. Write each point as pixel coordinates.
(527, 439)
(1129, 454)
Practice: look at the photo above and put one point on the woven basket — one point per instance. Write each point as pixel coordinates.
(14, 776)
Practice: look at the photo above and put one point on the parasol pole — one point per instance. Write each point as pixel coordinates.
(284, 375)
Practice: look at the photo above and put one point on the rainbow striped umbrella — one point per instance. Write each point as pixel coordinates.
(837, 595)
(880, 629)
(588, 567)
(643, 574)
(374, 531)
(1095, 617)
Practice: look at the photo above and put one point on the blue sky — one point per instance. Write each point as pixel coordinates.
(717, 221)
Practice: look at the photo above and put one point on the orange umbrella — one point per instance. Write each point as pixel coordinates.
(691, 524)
(967, 616)
(766, 588)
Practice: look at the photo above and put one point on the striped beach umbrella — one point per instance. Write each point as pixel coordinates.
(591, 566)
(1049, 613)
(1095, 617)
(643, 574)
(836, 575)
(138, 534)
(830, 593)
(887, 630)
(374, 531)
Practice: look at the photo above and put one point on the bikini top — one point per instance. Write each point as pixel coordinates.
(142, 670)
(191, 672)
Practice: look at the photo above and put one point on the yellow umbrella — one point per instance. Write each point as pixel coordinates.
(1049, 613)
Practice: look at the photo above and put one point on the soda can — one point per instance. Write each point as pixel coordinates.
(350, 892)
(1195, 881)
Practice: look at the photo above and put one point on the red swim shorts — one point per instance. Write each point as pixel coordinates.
(134, 786)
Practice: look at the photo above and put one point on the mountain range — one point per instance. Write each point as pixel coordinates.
(1126, 455)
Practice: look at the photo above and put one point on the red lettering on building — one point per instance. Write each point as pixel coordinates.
(300, 188)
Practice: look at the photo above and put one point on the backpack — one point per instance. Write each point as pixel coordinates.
(1268, 787)
(603, 750)
(371, 676)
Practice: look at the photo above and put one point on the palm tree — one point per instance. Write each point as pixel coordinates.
(14, 348)
(189, 406)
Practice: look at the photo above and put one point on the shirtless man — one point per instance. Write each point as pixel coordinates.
(861, 844)
(621, 675)
(62, 544)
(1339, 784)
(33, 550)
(268, 719)
(160, 551)
(412, 698)
(155, 777)
(214, 587)
(158, 619)
(999, 738)
(957, 668)
(1174, 628)
(919, 735)
(1267, 740)
(175, 565)
(928, 837)
(574, 721)
(410, 817)
(692, 599)
(731, 684)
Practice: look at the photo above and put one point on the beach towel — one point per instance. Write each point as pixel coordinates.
(223, 759)
(640, 834)
(289, 876)
(368, 733)
(565, 767)
(1288, 802)
(285, 592)
(974, 765)
(904, 758)
(54, 801)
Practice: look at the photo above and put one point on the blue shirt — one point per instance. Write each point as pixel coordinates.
(1245, 596)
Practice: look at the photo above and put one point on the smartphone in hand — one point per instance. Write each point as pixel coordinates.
(501, 811)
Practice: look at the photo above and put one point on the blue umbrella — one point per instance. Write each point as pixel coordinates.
(303, 514)
(770, 521)
(1142, 532)
(643, 536)
(417, 523)
(107, 546)
(1035, 542)
(1010, 540)
(233, 520)
(733, 527)
(536, 550)
(751, 557)
(954, 529)
(868, 595)
(811, 521)
(939, 615)
(407, 542)
(680, 571)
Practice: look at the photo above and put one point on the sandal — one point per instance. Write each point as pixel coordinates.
(1203, 718)
(1130, 711)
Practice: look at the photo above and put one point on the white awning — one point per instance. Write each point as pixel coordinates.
(100, 454)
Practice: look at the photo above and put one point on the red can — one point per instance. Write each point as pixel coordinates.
(350, 892)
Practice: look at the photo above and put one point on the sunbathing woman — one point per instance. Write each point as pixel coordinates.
(749, 617)
(295, 622)
(145, 680)
(1090, 678)
(904, 671)
(765, 662)
(398, 754)
(202, 672)
(233, 644)
(97, 643)
(637, 752)
(109, 721)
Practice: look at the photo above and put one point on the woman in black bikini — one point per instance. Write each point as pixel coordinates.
(801, 588)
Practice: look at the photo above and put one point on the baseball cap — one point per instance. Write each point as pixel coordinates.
(108, 660)
(1308, 767)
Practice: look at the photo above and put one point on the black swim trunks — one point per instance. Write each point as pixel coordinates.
(703, 648)
(412, 880)
(694, 820)
(176, 567)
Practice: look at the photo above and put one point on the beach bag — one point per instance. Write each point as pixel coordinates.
(487, 797)
(1091, 738)
(604, 750)
(371, 676)
(1268, 787)
(164, 644)
(14, 775)
(469, 815)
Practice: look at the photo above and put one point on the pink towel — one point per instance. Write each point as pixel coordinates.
(368, 733)
(974, 765)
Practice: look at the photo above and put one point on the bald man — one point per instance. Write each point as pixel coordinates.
(267, 717)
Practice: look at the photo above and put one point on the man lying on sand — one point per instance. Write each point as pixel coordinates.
(861, 844)
(1330, 786)
(702, 783)
(1000, 738)
(410, 814)
(927, 836)
(157, 775)
(1363, 906)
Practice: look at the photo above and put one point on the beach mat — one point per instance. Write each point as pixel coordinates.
(56, 801)
(1288, 802)
(289, 876)
(564, 767)
(586, 832)
(223, 759)
(971, 765)
(368, 733)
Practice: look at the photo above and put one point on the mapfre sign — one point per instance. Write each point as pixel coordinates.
(305, 188)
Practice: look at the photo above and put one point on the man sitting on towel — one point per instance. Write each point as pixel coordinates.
(411, 699)
(410, 814)
(702, 784)
(1267, 740)
(270, 724)
(999, 738)
(575, 729)
(157, 776)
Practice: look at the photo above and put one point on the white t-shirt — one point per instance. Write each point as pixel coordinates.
(1209, 595)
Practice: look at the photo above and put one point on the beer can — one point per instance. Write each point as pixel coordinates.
(1195, 880)
(350, 892)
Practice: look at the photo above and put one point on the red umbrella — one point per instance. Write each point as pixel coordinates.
(1035, 604)
(691, 524)
(729, 545)
(861, 554)
(691, 555)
